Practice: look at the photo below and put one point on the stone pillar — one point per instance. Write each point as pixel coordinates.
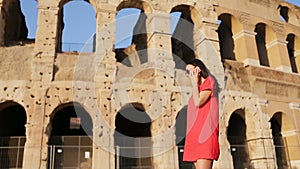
(33, 157)
(159, 40)
(103, 148)
(45, 44)
(261, 150)
(106, 30)
(207, 48)
(105, 62)
(245, 49)
(259, 138)
(164, 149)
(278, 54)
(225, 158)
(297, 59)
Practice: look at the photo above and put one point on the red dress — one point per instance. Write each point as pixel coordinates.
(201, 140)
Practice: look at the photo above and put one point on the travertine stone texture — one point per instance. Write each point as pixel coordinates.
(42, 79)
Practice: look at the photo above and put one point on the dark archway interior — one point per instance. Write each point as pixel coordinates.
(133, 122)
(133, 137)
(226, 41)
(291, 49)
(260, 38)
(284, 13)
(236, 135)
(183, 38)
(276, 124)
(180, 132)
(71, 138)
(12, 135)
(12, 121)
(62, 122)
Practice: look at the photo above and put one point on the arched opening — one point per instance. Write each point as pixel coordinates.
(287, 14)
(260, 38)
(131, 37)
(236, 136)
(133, 137)
(183, 36)
(77, 27)
(278, 140)
(180, 132)
(291, 49)
(30, 11)
(12, 134)
(284, 13)
(226, 41)
(70, 143)
(14, 28)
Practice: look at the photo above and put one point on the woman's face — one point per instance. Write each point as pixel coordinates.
(189, 69)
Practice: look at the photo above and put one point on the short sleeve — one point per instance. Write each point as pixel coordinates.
(206, 85)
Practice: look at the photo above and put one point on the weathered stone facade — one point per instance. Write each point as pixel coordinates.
(253, 54)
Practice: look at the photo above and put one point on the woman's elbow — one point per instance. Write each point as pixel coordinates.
(199, 104)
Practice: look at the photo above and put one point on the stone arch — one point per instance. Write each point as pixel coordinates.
(135, 53)
(142, 5)
(284, 13)
(79, 110)
(247, 104)
(71, 136)
(237, 102)
(237, 137)
(280, 122)
(61, 3)
(60, 45)
(133, 134)
(287, 14)
(13, 119)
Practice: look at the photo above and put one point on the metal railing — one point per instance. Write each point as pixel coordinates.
(11, 152)
(70, 152)
(78, 47)
(70, 157)
(76, 152)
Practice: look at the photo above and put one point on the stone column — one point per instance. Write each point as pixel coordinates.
(106, 32)
(278, 54)
(297, 59)
(105, 62)
(245, 49)
(261, 150)
(207, 48)
(259, 138)
(45, 44)
(159, 40)
(160, 57)
(33, 150)
(164, 149)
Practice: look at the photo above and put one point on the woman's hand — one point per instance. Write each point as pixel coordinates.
(195, 75)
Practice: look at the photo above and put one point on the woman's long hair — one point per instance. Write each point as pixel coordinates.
(204, 71)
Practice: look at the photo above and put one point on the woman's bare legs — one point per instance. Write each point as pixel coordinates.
(203, 164)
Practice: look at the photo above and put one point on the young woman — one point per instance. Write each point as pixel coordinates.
(202, 144)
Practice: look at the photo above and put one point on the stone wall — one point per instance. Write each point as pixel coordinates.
(43, 80)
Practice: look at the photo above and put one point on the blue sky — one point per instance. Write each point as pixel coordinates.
(79, 19)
